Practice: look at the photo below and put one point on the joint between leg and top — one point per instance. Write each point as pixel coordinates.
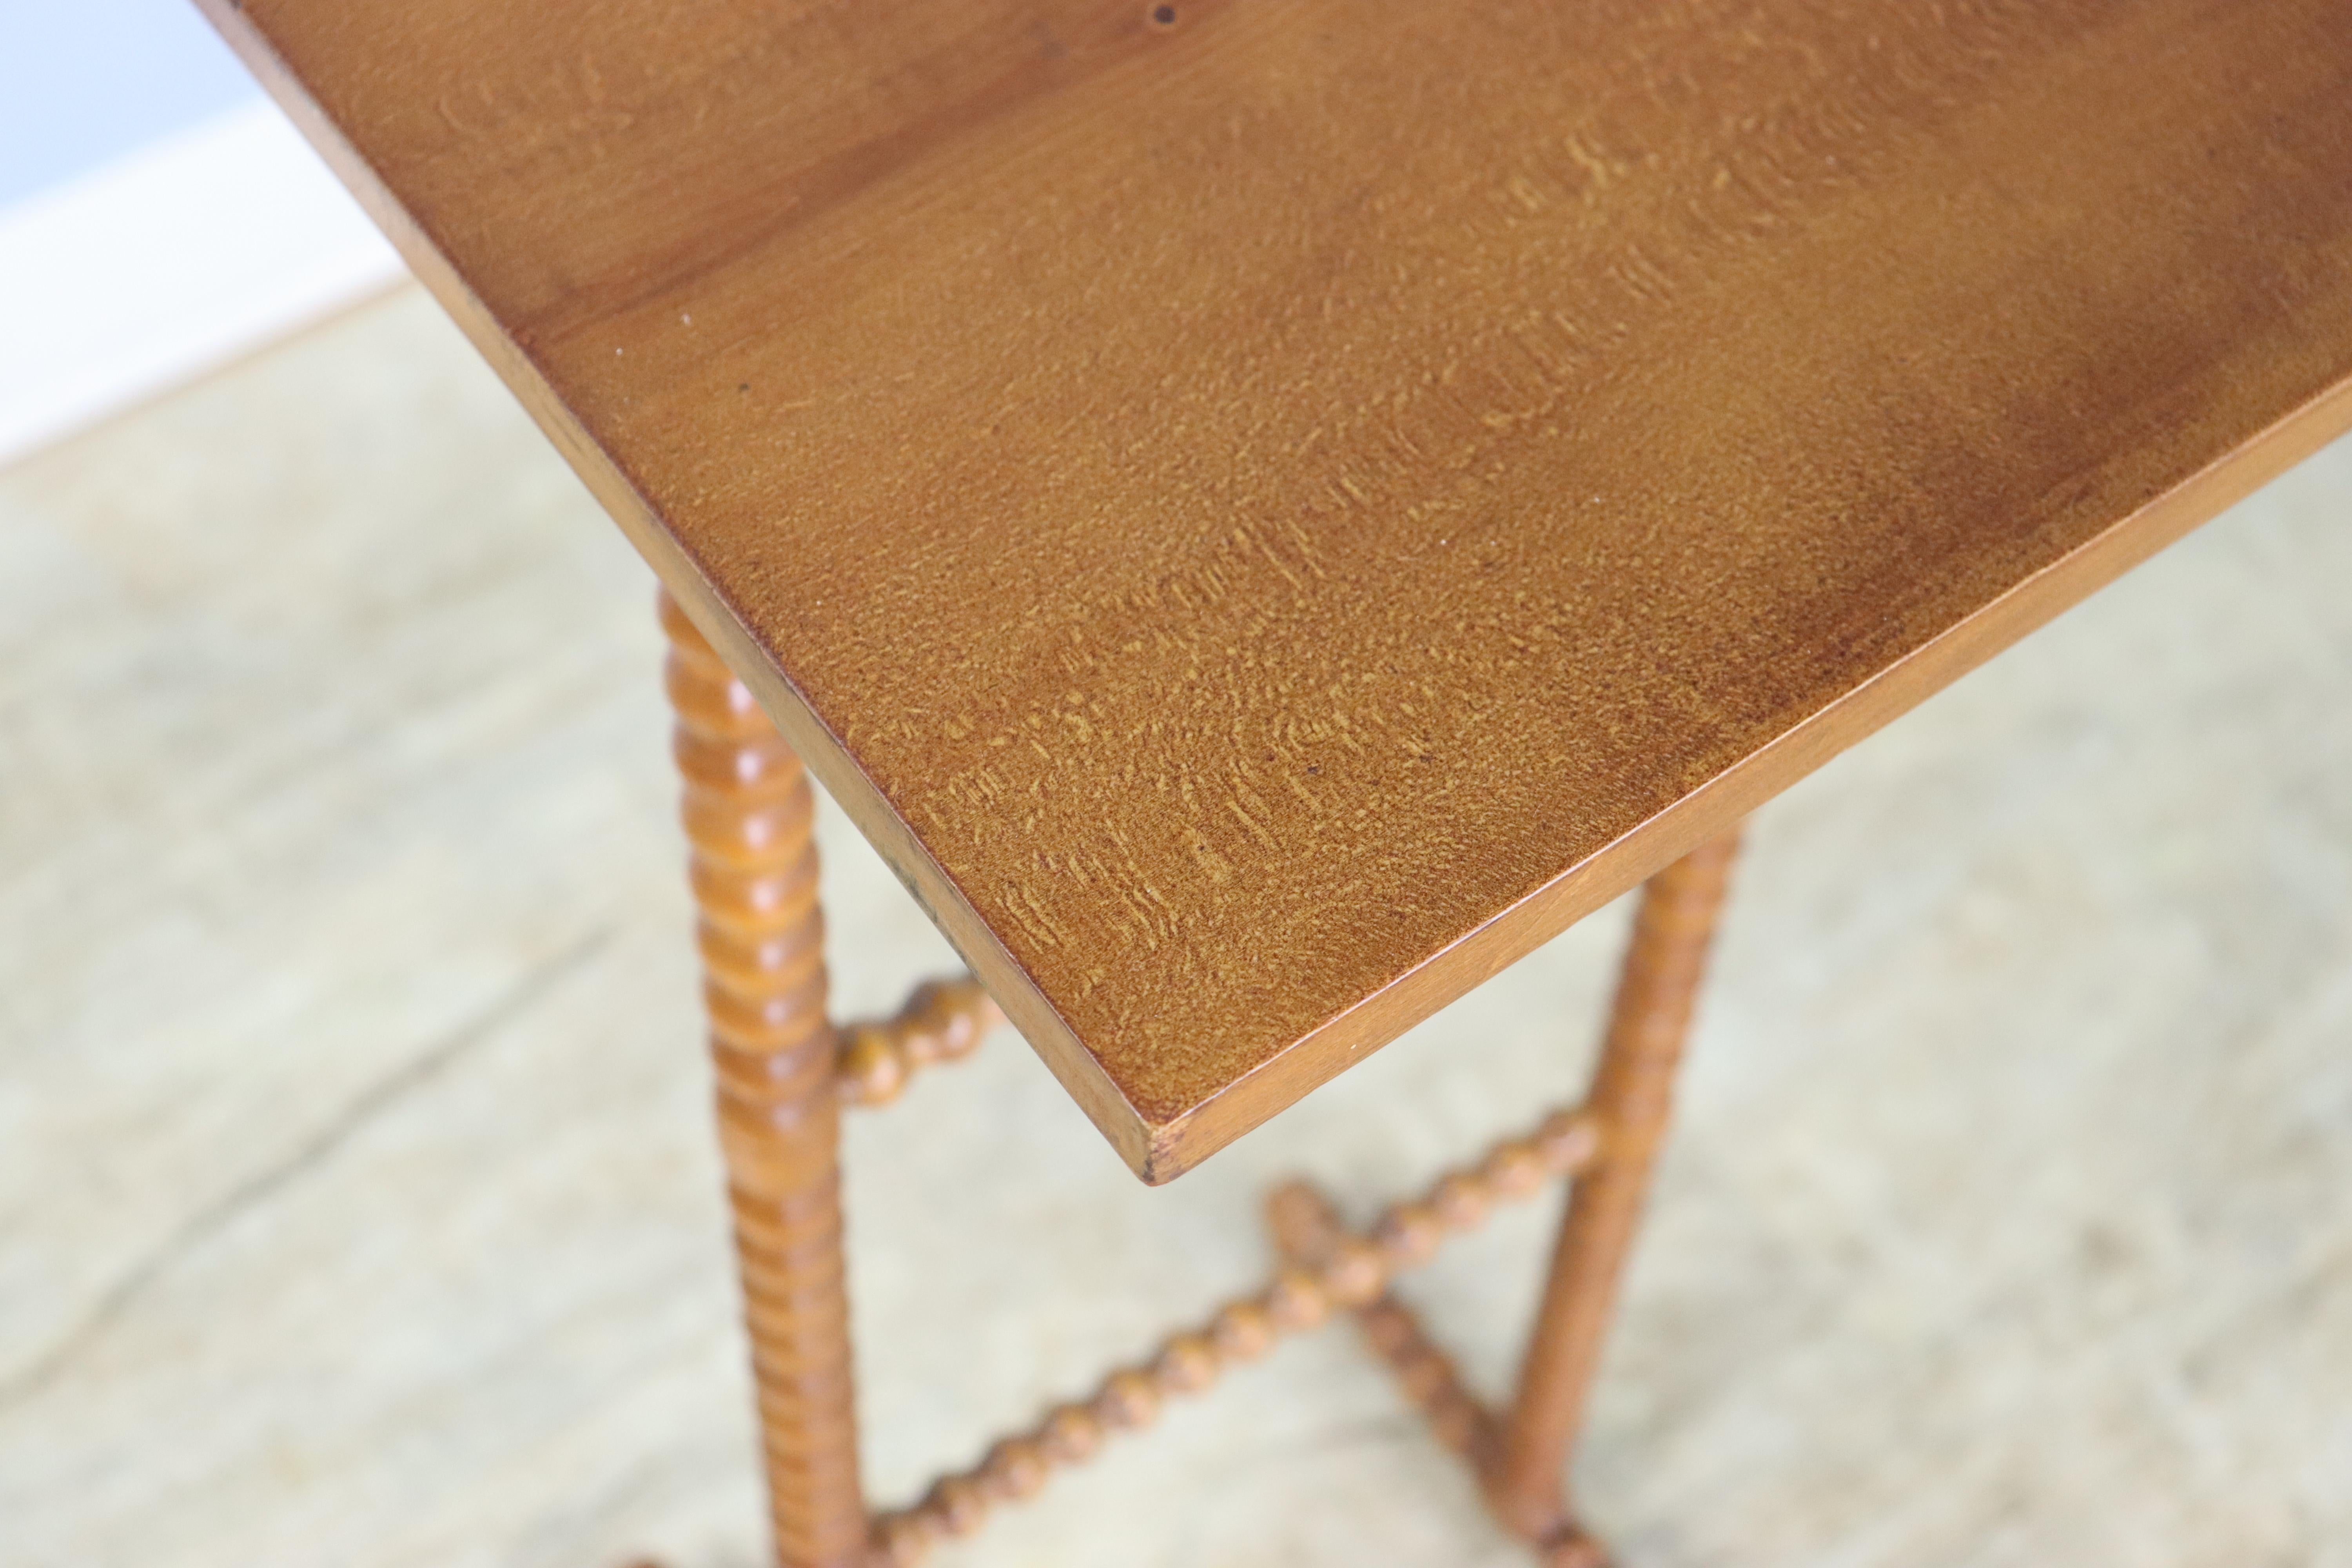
(784, 1070)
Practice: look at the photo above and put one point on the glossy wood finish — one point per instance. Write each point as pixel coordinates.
(1267, 515)
(748, 812)
(1632, 1095)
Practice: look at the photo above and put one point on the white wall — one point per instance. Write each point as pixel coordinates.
(85, 81)
(158, 216)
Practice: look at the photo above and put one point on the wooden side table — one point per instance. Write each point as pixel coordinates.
(1266, 510)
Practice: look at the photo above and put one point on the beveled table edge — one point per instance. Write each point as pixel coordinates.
(1714, 807)
(1161, 1150)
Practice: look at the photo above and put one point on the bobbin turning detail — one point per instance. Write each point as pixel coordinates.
(784, 1070)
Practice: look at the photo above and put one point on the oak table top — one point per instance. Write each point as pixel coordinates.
(1268, 511)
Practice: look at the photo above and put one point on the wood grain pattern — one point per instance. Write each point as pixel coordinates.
(1266, 519)
(748, 812)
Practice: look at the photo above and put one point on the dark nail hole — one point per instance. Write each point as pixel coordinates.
(744, 387)
(1164, 14)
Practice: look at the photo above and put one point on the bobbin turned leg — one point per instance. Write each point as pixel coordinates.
(748, 814)
(1632, 1092)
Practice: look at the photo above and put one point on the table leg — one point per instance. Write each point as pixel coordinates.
(1632, 1092)
(748, 814)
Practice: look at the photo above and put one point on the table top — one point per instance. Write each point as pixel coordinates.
(1266, 510)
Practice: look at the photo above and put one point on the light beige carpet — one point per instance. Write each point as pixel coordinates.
(358, 1207)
